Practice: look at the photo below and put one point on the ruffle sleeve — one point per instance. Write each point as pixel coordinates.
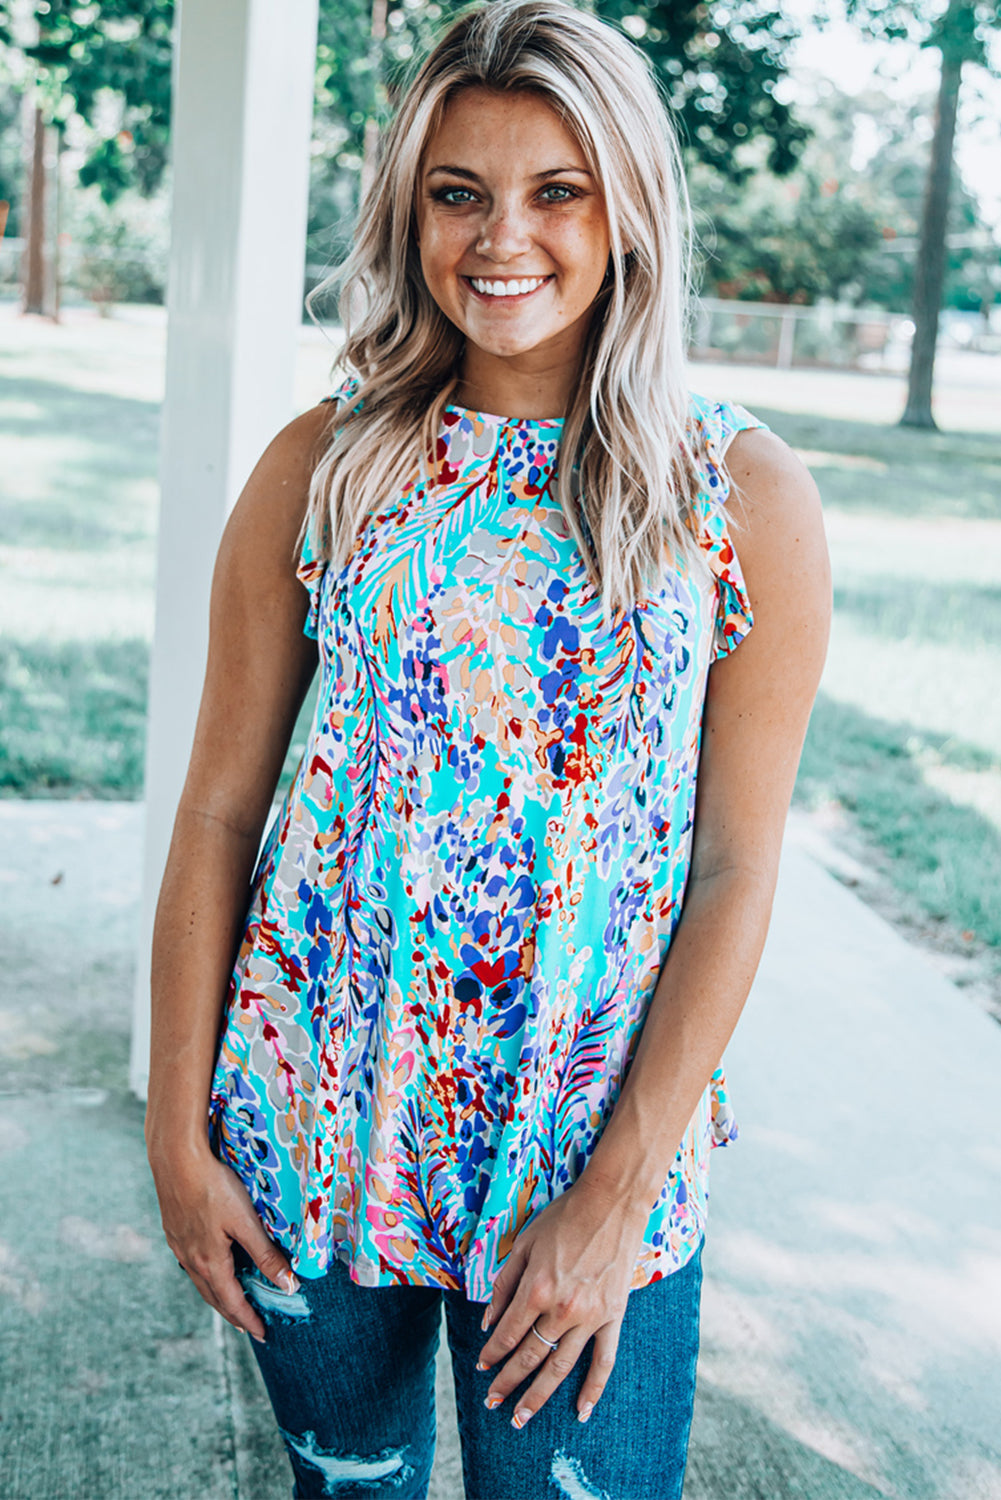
(715, 424)
(311, 567)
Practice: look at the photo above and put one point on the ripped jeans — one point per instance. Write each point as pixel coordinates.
(350, 1371)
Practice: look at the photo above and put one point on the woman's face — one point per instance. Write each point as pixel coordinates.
(513, 232)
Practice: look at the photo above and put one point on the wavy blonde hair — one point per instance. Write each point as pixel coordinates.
(627, 469)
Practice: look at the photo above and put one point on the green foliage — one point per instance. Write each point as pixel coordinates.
(107, 169)
(961, 30)
(793, 240)
(831, 229)
(119, 249)
(720, 66)
(85, 53)
(11, 165)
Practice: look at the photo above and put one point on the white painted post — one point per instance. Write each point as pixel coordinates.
(787, 335)
(243, 102)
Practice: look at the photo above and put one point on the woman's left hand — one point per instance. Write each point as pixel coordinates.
(569, 1273)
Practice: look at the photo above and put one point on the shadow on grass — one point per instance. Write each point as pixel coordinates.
(955, 474)
(37, 408)
(73, 720)
(78, 455)
(942, 856)
(965, 614)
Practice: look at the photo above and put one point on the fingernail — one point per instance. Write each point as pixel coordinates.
(481, 1366)
(520, 1417)
(485, 1321)
(492, 1402)
(585, 1411)
(257, 1336)
(289, 1282)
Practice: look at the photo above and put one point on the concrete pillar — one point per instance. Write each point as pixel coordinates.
(243, 101)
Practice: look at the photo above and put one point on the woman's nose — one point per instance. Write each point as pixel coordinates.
(503, 236)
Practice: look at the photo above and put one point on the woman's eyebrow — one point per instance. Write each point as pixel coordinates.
(469, 176)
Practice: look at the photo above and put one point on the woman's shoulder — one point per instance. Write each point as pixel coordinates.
(734, 438)
(714, 423)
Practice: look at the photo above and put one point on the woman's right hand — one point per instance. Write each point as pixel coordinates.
(204, 1208)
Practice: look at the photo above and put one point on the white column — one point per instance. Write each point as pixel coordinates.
(242, 116)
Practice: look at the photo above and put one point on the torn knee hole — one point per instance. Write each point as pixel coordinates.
(288, 1306)
(570, 1481)
(387, 1468)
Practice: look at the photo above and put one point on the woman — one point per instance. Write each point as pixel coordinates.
(469, 1048)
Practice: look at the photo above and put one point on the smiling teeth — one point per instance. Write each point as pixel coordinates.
(506, 288)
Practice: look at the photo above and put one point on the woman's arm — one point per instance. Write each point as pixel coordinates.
(757, 708)
(259, 669)
(574, 1261)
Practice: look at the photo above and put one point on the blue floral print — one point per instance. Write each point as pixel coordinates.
(461, 909)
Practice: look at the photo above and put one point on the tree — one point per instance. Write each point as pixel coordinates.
(78, 56)
(837, 227)
(720, 65)
(960, 35)
(796, 240)
(11, 150)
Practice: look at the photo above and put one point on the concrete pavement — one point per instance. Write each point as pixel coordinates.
(852, 1307)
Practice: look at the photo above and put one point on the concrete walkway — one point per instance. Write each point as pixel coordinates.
(852, 1306)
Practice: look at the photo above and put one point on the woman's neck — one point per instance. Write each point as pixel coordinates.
(499, 387)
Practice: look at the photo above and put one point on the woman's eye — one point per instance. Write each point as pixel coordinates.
(564, 189)
(453, 195)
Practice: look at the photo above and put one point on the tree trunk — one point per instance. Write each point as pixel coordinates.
(53, 298)
(34, 249)
(929, 272)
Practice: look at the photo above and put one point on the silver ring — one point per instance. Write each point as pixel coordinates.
(551, 1342)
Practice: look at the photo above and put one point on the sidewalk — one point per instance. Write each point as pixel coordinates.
(852, 1305)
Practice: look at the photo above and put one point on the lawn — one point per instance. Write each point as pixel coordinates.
(904, 748)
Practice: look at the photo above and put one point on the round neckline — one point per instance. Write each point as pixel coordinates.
(495, 419)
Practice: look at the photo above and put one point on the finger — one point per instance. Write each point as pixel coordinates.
(606, 1343)
(527, 1356)
(532, 1299)
(206, 1292)
(224, 1292)
(504, 1287)
(266, 1255)
(555, 1369)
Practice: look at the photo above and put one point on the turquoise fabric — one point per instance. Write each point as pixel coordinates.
(461, 910)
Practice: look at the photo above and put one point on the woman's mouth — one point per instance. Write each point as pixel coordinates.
(507, 289)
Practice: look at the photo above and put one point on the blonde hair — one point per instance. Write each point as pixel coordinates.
(626, 472)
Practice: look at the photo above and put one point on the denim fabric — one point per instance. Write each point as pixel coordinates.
(350, 1371)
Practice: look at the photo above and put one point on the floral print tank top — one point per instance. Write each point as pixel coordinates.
(460, 912)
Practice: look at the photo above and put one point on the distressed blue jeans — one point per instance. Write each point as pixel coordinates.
(350, 1371)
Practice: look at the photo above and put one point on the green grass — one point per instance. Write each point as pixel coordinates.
(905, 736)
(926, 474)
(944, 859)
(965, 615)
(72, 718)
